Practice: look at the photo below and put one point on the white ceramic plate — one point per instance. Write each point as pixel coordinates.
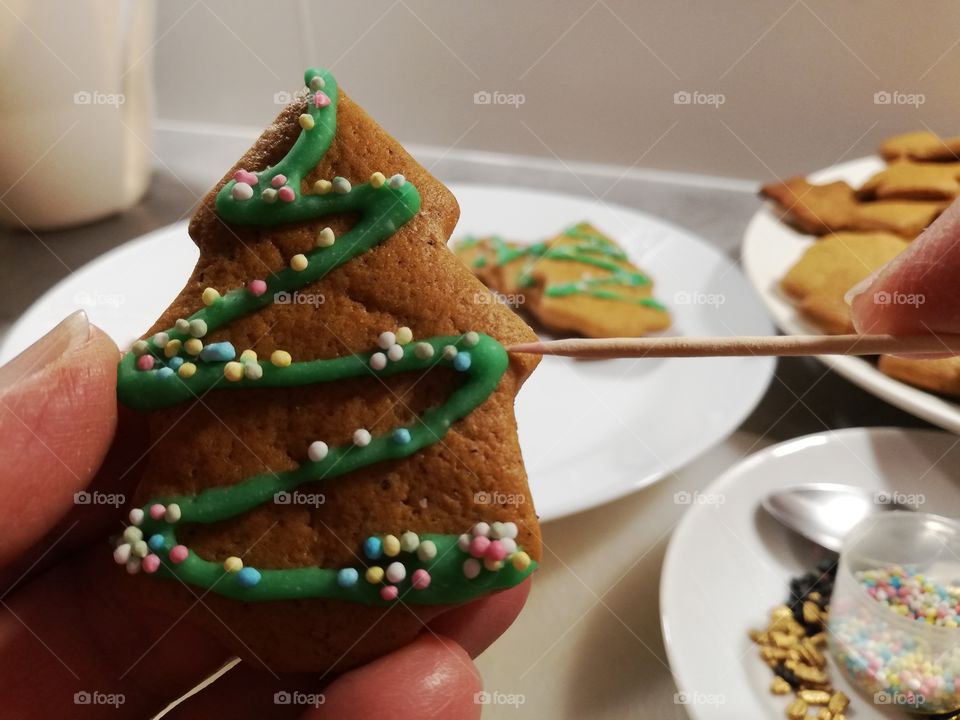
(729, 564)
(770, 248)
(590, 431)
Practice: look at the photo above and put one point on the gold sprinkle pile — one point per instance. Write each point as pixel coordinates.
(785, 641)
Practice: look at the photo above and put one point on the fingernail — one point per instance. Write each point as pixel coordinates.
(860, 288)
(44, 354)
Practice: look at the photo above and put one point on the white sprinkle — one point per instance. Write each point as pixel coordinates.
(140, 347)
(269, 195)
(122, 554)
(471, 338)
(396, 572)
(136, 516)
(378, 361)
(395, 353)
(182, 325)
(361, 437)
(463, 542)
(510, 530)
(242, 191)
(317, 451)
(131, 534)
(427, 551)
(449, 352)
(198, 328)
(409, 541)
(481, 529)
(252, 370)
(471, 568)
(397, 181)
(509, 545)
(423, 350)
(326, 238)
(496, 530)
(133, 566)
(172, 513)
(387, 340)
(161, 339)
(341, 185)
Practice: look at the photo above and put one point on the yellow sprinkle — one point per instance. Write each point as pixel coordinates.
(280, 358)
(326, 238)
(210, 296)
(404, 335)
(299, 262)
(233, 371)
(248, 355)
(520, 561)
(492, 565)
(233, 564)
(187, 370)
(374, 574)
(172, 348)
(306, 121)
(193, 346)
(377, 180)
(391, 545)
(322, 187)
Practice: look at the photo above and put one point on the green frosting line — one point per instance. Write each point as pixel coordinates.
(591, 249)
(382, 210)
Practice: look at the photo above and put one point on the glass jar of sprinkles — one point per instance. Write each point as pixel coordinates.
(895, 612)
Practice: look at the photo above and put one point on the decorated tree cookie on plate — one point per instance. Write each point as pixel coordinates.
(334, 457)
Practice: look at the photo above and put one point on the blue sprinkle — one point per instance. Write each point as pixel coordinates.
(401, 436)
(165, 372)
(248, 577)
(462, 361)
(347, 577)
(218, 352)
(175, 362)
(156, 542)
(372, 547)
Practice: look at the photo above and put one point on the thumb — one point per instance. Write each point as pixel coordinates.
(58, 413)
(917, 292)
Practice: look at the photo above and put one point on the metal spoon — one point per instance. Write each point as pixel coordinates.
(825, 512)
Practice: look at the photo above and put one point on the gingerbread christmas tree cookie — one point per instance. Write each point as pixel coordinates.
(330, 408)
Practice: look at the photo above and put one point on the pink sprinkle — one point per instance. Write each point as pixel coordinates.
(179, 554)
(389, 592)
(479, 545)
(245, 176)
(286, 194)
(420, 579)
(256, 288)
(157, 511)
(279, 181)
(321, 99)
(150, 563)
(145, 362)
(495, 551)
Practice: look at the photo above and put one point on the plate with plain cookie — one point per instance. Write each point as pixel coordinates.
(819, 236)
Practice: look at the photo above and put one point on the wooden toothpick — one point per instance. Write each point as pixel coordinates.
(745, 346)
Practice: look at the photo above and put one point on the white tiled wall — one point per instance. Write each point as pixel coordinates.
(798, 77)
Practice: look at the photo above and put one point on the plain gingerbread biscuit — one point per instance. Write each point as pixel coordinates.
(828, 268)
(913, 181)
(922, 146)
(939, 375)
(834, 207)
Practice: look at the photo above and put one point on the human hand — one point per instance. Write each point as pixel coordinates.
(918, 292)
(68, 623)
